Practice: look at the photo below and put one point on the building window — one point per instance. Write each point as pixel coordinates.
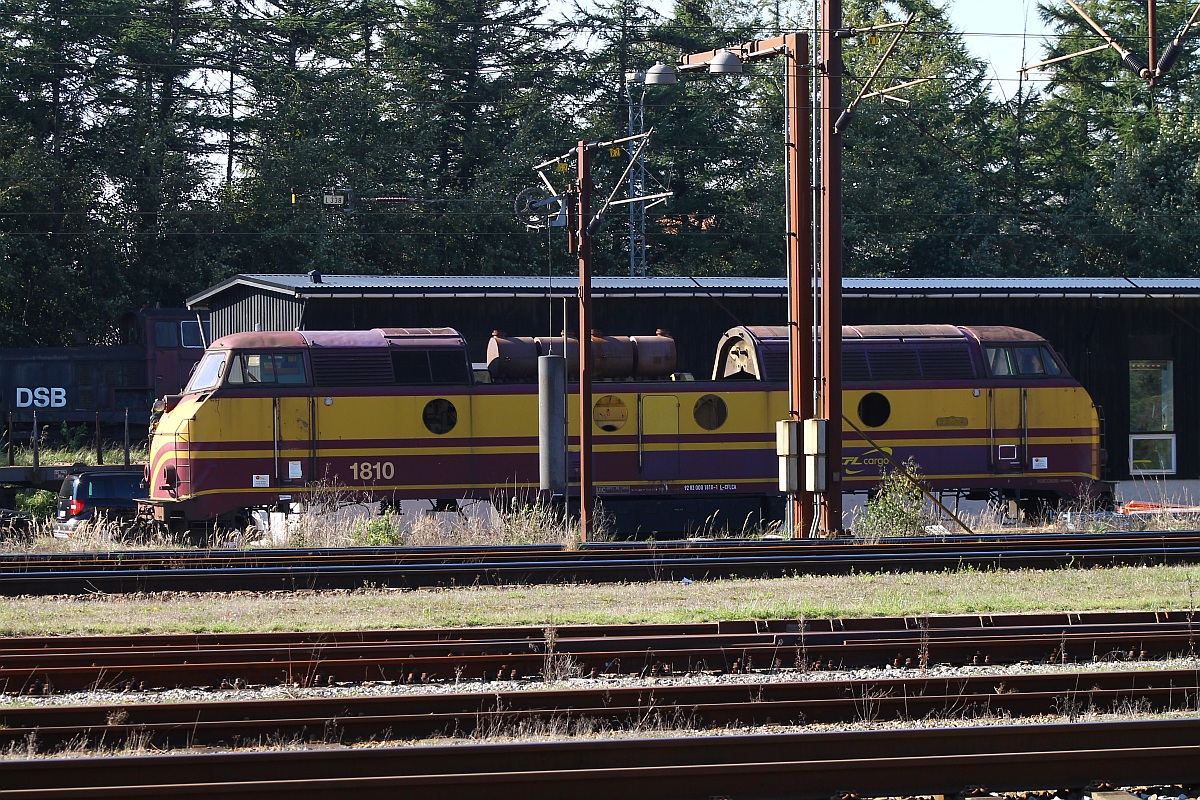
(1151, 418)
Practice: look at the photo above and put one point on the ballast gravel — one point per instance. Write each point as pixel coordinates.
(390, 688)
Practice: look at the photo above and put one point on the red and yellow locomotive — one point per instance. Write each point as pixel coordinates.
(268, 418)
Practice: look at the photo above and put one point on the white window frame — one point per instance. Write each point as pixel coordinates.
(1133, 470)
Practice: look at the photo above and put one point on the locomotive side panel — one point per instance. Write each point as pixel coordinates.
(403, 444)
(978, 410)
(1040, 439)
(944, 431)
(233, 450)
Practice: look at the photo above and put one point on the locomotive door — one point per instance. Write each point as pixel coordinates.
(1008, 429)
(295, 443)
(658, 436)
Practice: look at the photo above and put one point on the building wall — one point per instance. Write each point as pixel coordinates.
(242, 308)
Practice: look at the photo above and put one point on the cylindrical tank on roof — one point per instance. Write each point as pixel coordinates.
(613, 356)
(554, 346)
(514, 358)
(656, 356)
(511, 355)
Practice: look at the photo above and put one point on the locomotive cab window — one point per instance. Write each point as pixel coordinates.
(208, 373)
(270, 369)
(999, 361)
(1026, 361)
(193, 335)
(423, 367)
(165, 335)
(1052, 365)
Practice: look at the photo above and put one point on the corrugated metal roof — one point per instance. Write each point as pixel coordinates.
(384, 286)
(967, 287)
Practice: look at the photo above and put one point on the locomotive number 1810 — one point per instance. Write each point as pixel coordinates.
(373, 470)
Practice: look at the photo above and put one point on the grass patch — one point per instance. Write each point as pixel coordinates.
(864, 595)
(80, 453)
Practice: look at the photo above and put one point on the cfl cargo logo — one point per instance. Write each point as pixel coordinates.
(41, 397)
(874, 459)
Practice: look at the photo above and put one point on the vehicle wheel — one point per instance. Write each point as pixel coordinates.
(1035, 511)
(235, 534)
(135, 532)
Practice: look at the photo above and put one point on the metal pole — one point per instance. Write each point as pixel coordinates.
(99, 442)
(830, 386)
(632, 206)
(639, 189)
(1152, 34)
(637, 179)
(584, 238)
(552, 409)
(799, 254)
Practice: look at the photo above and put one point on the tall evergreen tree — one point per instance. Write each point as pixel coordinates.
(51, 248)
(917, 201)
(1121, 156)
(716, 139)
(154, 144)
(476, 91)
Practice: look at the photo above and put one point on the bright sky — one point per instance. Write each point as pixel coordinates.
(996, 31)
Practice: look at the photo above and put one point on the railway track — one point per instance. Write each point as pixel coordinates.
(43, 665)
(266, 570)
(810, 766)
(354, 720)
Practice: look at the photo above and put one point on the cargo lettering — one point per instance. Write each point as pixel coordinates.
(876, 458)
(42, 397)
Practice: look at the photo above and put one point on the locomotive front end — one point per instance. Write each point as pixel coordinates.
(169, 469)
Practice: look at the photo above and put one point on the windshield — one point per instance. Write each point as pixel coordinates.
(208, 373)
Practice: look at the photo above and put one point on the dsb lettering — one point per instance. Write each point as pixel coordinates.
(42, 397)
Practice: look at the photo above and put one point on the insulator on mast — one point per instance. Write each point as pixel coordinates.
(1169, 57)
(1137, 64)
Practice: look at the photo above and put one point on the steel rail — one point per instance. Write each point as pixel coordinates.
(859, 627)
(363, 719)
(804, 766)
(651, 565)
(185, 661)
(174, 559)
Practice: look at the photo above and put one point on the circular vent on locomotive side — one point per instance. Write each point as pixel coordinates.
(874, 409)
(440, 416)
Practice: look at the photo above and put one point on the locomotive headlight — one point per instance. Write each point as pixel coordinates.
(328, 401)
(975, 392)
